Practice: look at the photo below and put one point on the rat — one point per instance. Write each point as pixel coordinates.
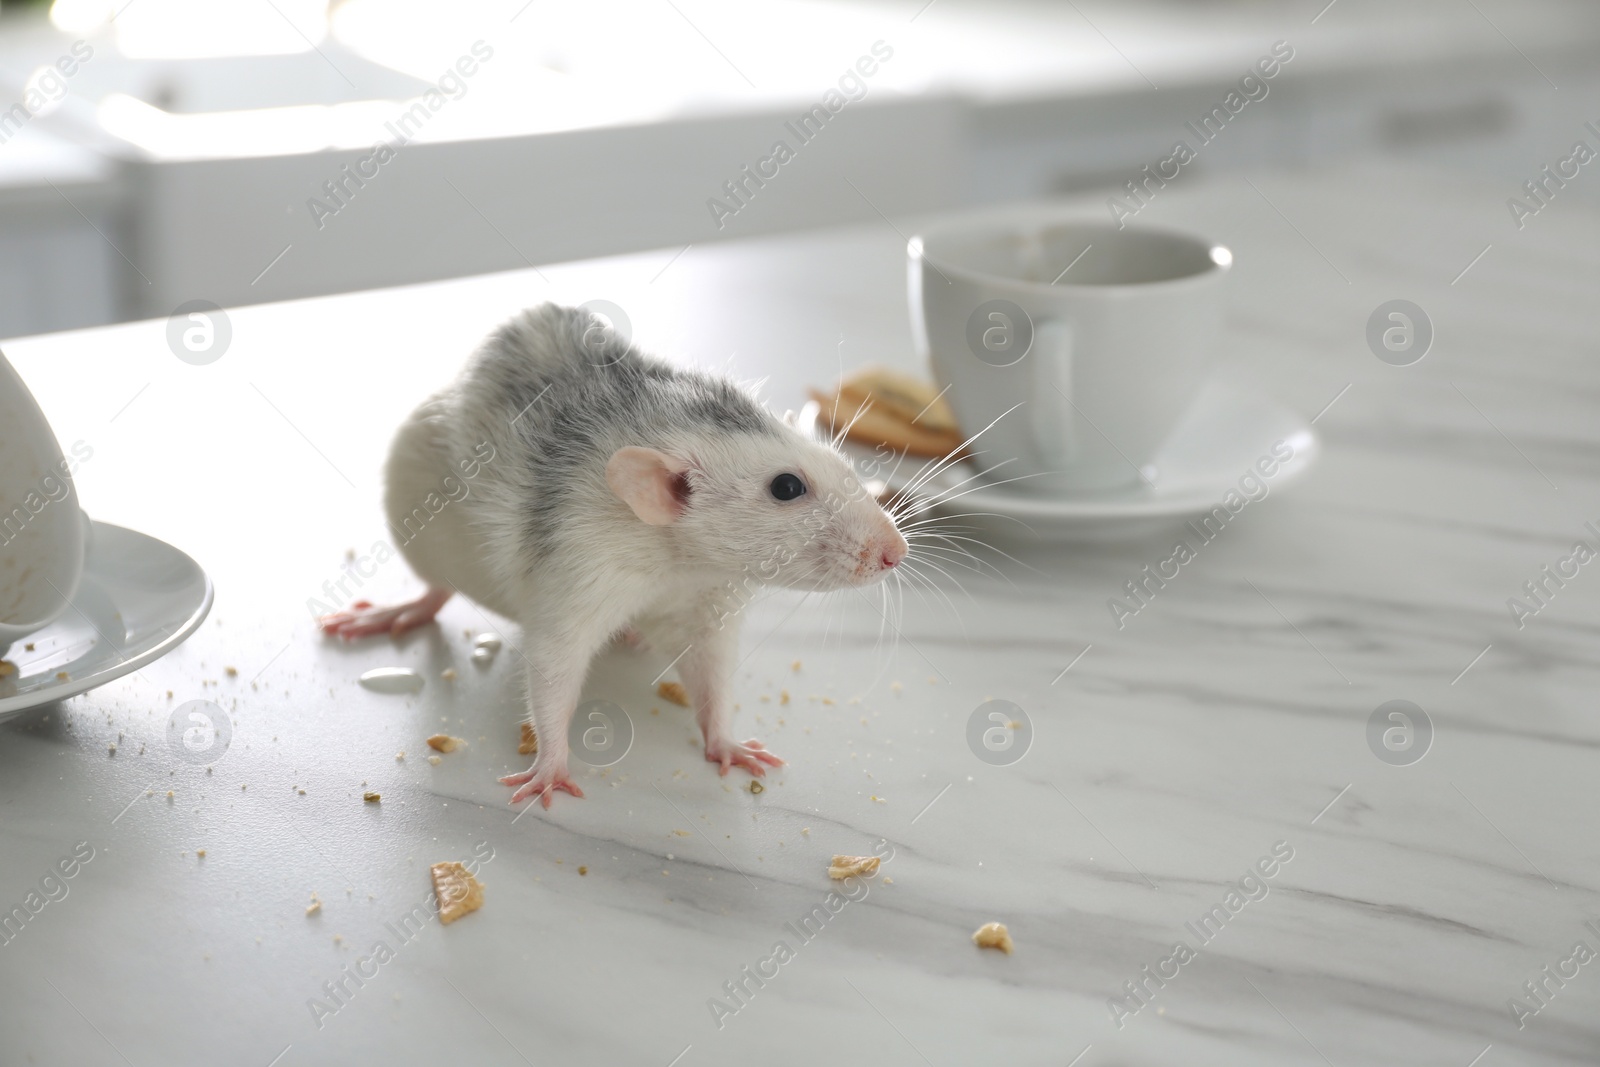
(590, 492)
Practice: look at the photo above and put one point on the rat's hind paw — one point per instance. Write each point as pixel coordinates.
(361, 619)
(751, 755)
(540, 784)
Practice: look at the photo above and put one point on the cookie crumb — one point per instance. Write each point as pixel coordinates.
(445, 743)
(673, 691)
(993, 935)
(456, 891)
(844, 866)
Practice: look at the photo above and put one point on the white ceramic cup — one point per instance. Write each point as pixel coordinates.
(1099, 337)
(41, 528)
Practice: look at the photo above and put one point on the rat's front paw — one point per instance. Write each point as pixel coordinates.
(751, 755)
(541, 782)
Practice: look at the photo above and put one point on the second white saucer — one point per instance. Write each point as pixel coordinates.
(1217, 455)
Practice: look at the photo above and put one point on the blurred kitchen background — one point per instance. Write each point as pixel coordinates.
(154, 152)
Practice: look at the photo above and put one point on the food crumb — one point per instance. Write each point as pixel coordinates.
(844, 866)
(370, 798)
(529, 743)
(887, 880)
(456, 891)
(681, 833)
(314, 907)
(112, 747)
(673, 691)
(757, 787)
(583, 870)
(434, 760)
(445, 743)
(448, 674)
(7, 668)
(200, 852)
(231, 672)
(28, 647)
(400, 756)
(896, 686)
(783, 696)
(805, 831)
(63, 676)
(876, 799)
(169, 794)
(795, 666)
(993, 935)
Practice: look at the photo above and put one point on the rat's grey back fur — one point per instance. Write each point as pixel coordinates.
(554, 393)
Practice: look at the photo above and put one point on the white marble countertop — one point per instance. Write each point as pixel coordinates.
(1176, 754)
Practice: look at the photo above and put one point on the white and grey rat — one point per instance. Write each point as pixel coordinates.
(606, 490)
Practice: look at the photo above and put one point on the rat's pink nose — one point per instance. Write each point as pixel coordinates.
(894, 551)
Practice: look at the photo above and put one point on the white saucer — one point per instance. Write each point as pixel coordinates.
(1225, 432)
(139, 599)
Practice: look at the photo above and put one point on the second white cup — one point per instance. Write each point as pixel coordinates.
(1099, 337)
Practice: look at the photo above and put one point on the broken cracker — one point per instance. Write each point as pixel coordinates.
(445, 743)
(455, 890)
(845, 866)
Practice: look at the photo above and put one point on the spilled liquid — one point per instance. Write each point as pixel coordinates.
(392, 680)
(484, 648)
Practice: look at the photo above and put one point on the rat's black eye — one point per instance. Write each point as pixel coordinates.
(787, 487)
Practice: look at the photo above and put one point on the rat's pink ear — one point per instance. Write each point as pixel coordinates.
(652, 483)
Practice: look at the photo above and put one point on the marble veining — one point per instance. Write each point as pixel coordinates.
(1227, 719)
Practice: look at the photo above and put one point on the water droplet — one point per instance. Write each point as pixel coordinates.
(392, 680)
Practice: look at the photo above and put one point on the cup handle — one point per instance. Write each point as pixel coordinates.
(1052, 380)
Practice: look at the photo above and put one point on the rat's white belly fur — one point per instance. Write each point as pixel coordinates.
(446, 552)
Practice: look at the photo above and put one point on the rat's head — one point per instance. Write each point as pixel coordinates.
(775, 505)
